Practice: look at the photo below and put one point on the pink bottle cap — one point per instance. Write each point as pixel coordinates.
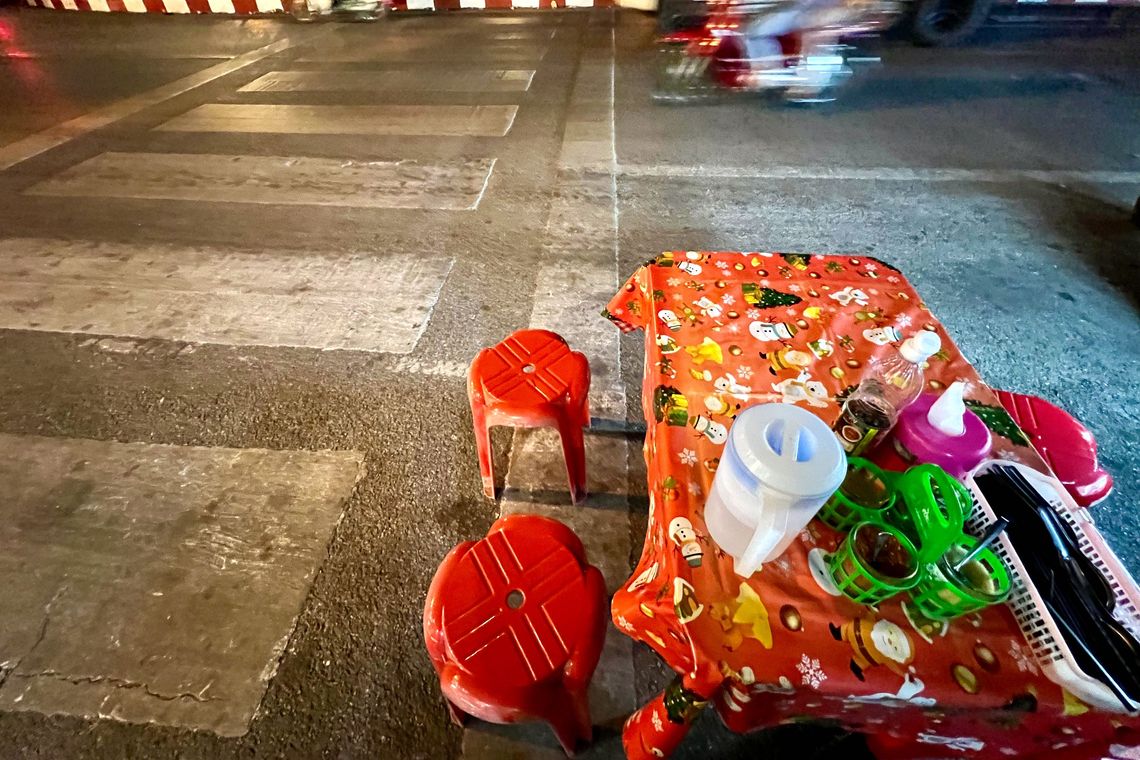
(923, 442)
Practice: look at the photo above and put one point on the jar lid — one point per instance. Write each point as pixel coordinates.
(789, 449)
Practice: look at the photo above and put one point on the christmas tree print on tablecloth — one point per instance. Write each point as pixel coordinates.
(998, 421)
(768, 298)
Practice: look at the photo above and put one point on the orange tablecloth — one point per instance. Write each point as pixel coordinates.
(727, 330)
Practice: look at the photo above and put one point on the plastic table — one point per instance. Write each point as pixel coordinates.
(725, 330)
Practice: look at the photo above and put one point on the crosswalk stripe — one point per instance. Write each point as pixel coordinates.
(385, 51)
(424, 121)
(455, 186)
(204, 295)
(431, 80)
(178, 570)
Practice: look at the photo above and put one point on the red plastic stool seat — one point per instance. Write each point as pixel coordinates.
(514, 624)
(532, 379)
(1064, 443)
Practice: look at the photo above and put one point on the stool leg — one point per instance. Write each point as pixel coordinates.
(483, 444)
(458, 717)
(574, 452)
(570, 720)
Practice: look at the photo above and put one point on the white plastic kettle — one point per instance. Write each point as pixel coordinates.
(779, 466)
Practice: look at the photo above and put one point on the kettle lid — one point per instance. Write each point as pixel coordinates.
(789, 449)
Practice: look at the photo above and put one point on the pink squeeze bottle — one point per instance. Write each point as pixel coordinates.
(941, 430)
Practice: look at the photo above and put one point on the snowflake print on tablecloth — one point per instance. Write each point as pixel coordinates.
(688, 456)
(657, 725)
(811, 671)
(673, 282)
(722, 265)
(733, 327)
(794, 288)
(870, 267)
(727, 299)
(695, 488)
(893, 279)
(744, 372)
(903, 320)
(1025, 662)
(752, 313)
(624, 624)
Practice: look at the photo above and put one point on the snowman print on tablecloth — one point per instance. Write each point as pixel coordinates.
(881, 336)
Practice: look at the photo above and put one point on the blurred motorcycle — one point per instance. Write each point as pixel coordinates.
(797, 50)
(351, 10)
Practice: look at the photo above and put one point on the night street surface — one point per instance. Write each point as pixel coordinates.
(199, 261)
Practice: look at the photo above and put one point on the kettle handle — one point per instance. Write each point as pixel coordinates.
(769, 532)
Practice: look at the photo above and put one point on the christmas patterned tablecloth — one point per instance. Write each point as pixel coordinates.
(727, 330)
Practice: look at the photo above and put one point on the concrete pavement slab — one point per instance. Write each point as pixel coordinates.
(151, 583)
(442, 121)
(204, 295)
(536, 484)
(455, 186)
(52, 137)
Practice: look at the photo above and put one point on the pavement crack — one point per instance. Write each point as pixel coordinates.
(118, 683)
(5, 675)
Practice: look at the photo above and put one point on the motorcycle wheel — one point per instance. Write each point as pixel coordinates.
(681, 78)
(940, 23)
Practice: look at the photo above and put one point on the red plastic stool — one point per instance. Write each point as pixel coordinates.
(514, 624)
(532, 379)
(1065, 444)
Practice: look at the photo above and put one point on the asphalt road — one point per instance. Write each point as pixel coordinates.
(1024, 251)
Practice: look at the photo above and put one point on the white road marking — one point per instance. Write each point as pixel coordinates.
(579, 274)
(456, 186)
(174, 571)
(434, 368)
(433, 80)
(427, 50)
(201, 295)
(424, 121)
(33, 145)
(879, 174)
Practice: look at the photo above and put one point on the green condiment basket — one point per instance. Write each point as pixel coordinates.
(843, 513)
(860, 582)
(943, 593)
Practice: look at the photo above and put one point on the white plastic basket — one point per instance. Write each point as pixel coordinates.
(1037, 625)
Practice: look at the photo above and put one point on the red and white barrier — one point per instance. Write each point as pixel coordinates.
(274, 6)
(164, 6)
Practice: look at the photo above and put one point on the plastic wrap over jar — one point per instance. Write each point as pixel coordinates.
(779, 466)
